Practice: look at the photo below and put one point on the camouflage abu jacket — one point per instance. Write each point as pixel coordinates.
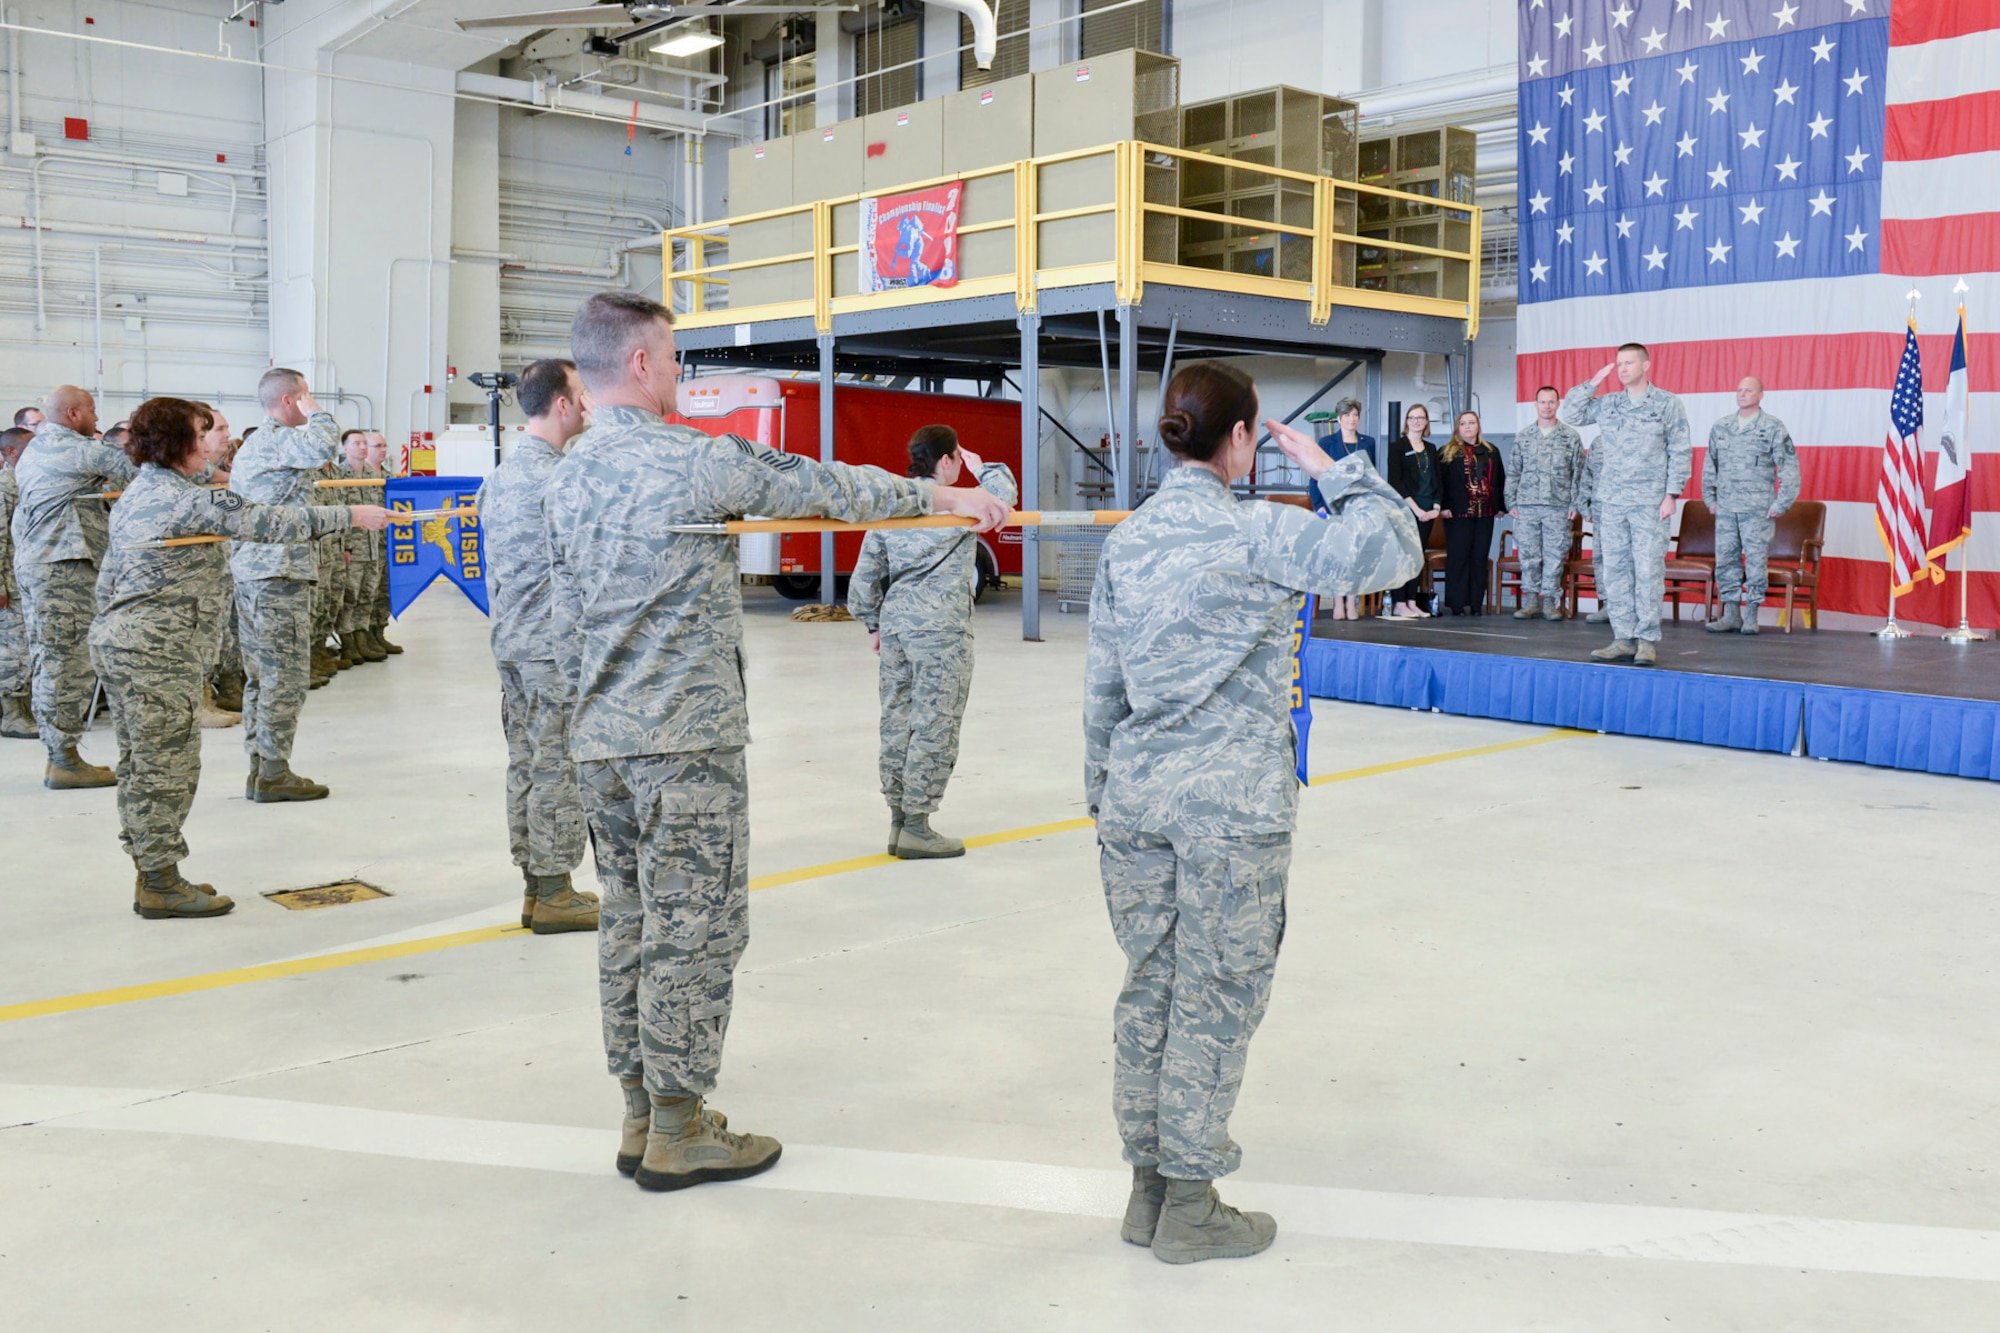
(1546, 467)
(278, 467)
(517, 553)
(173, 599)
(1752, 466)
(651, 620)
(1187, 685)
(1643, 452)
(60, 514)
(921, 581)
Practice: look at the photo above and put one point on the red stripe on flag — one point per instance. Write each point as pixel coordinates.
(1848, 472)
(1843, 361)
(1924, 131)
(1951, 512)
(1914, 22)
(1968, 243)
(1861, 587)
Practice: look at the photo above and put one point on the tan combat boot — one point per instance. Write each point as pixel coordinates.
(559, 907)
(213, 718)
(162, 895)
(16, 721)
(685, 1147)
(1615, 651)
(1728, 622)
(275, 781)
(392, 649)
(917, 841)
(1531, 609)
(1749, 620)
(344, 657)
(527, 899)
(322, 668)
(1646, 653)
(369, 646)
(68, 772)
(1195, 1224)
(639, 1120)
(229, 692)
(895, 829)
(1142, 1210)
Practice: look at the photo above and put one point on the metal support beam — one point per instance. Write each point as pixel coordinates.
(1031, 473)
(826, 576)
(1128, 413)
(1372, 412)
(1465, 380)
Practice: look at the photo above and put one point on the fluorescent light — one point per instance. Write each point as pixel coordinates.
(688, 44)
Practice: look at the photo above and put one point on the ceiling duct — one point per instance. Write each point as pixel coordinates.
(985, 36)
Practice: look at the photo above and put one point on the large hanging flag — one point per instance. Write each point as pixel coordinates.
(1750, 189)
(1951, 487)
(1899, 490)
(422, 551)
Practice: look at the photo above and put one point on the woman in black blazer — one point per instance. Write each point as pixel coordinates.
(1415, 474)
(1475, 482)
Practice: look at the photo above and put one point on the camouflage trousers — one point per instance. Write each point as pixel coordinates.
(274, 628)
(153, 697)
(672, 837)
(1541, 532)
(1743, 557)
(14, 674)
(376, 617)
(544, 812)
(229, 653)
(328, 590)
(354, 583)
(58, 602)
(1200, 922)
(925, 678)
(1635, 568)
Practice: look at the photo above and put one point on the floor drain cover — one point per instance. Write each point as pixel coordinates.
(327, 895)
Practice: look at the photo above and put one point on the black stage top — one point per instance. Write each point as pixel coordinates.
(1921, 664)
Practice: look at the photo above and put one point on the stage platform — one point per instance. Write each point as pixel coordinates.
(1917, 703)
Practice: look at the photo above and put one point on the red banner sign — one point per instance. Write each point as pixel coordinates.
(910, 240)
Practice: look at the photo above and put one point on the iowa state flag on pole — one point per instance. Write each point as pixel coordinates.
(1951, 489)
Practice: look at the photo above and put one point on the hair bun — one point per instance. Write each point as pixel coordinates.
(1176, 428)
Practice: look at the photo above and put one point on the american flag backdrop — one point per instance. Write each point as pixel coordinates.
(1750, 187)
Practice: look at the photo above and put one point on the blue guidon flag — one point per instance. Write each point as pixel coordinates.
(1302, 708)
(452, 546)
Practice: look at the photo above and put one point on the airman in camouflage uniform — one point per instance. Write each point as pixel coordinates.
(59, 529)
(1642, 459)
(17, 720)
(1190, 768)
(160, 610)
(1750, 457)
(1544, 477)
(914, 592)
(650, 623)
(274, 582)
(544, 812)
(375, 593)
(358, 545)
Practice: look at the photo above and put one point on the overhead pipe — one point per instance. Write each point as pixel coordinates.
(529, 92)
(985, 35)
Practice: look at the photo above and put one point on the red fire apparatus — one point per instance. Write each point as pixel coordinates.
(869, 426)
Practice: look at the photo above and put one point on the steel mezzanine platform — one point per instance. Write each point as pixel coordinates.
(1021, 315)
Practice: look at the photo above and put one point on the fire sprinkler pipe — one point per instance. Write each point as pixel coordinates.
(985, 35)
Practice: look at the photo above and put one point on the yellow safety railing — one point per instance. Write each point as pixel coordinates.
(1122, 261)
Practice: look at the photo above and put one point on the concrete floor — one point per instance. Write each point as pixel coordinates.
(1593, 1034)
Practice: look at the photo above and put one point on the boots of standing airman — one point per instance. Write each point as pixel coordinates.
(918, 841)
(686, 1146)
(1195, 1224)
(67, 771)
(274, 780)
(559, 907)
(162, 895)
(1142, 1209)
(638, 1123)
(17, 722)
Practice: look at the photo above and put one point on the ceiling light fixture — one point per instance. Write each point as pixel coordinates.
(688, 44)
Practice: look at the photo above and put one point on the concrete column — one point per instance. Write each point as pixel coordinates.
(833, 70)
(472, 336)
(1049, 45)
(940, 67)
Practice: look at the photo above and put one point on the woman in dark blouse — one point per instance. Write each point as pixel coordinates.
(1346, 439)
(1415, 475)
(1475, 481)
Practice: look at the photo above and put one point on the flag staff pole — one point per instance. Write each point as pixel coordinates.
(1964, 633)
(1892, 630)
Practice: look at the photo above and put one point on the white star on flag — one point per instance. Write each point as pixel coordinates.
(1753, 63)
(1855, 159)
(1788, 170)
(1621, 16)
(1687, 71)
(1656, 184)
(1684, 220)
(1854, 81)
(1652, 113)
(1787, 247)
(1538, 272)
(1751, 136)
(1535, 66)
(1538, 133)
(1621, 155)
(1564, 163)
(1655, 258)
(1625, 226)
(1785, 16)
(1856, 239)
(1718, 28)
(1786, 92)
(1686, 144)
(1593, 193)
(1621, 84)
(1718, 253)
(1719, 102)
(1655, 41)
(1718, 179)
(1538, 202)
(1823, 50)
(1753, 212)
(1821, 203)
(1594, 122)
(1818, 124)
(1858, 6)
(1563, 25)
(1594, 52)
(1563, 234)
(1595, 264)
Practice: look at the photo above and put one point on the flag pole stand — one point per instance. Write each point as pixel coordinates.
(1892, 630)
(1964, 633)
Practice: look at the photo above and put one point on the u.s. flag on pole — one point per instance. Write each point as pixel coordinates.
(1751, 187)
(1899, 491)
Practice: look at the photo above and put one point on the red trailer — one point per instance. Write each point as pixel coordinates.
(869, 426)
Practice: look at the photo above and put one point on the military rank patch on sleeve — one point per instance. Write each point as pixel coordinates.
(227, 501)
(764, 454)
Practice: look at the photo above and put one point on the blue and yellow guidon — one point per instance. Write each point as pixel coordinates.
(420, 552)
(1302, 710)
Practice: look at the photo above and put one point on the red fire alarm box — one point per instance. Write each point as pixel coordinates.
(75, 127)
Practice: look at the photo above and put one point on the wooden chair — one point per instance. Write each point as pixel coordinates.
(1795, 556)
(1692, 561)
(1434, 559)
(1507, 571)
(1580, 572)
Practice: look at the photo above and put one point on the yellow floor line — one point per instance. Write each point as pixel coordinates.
(239, 976)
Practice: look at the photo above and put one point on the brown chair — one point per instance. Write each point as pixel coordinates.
(1795, 553)
(1434, 557)
(1692, 561)
(1580, 572)
(1507, 570)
